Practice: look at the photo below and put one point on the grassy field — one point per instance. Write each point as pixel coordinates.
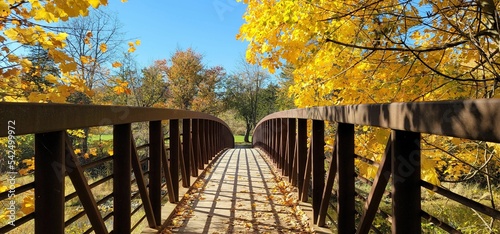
(239, 140)
(103, 137)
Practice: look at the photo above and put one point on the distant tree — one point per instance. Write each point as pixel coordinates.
(191, 84)
(154, 86)
(246, 92)
(37, 78)
(284, 100)
(92, 41)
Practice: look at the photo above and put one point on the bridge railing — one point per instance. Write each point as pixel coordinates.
(283, 136)
(193, 139)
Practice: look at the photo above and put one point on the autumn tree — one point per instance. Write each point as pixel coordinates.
(43, 66)
(30, 23)
(191, 84)
(154, 87)
(351, 52)
(247, 92)
(93, 42)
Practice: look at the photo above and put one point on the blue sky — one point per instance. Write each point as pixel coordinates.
(209, 27)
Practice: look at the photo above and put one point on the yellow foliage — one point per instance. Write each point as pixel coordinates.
(28, 205)
(103, 47)
(29, 23)
(116, 64)
(411, 51)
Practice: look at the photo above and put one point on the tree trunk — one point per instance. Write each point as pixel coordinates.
(247, 133)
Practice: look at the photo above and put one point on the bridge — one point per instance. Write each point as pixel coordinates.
(188, 167)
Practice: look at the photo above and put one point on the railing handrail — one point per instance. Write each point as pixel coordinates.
(49, 117)
(471, 119)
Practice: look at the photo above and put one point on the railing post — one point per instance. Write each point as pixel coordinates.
(275, 141)
(301, 152)
(290, 147)
(197, 150)
(345, 168)
(121, 177)
(174, 156)
(49, 187)
(405, 182)
(155, 148)
(186, 151)
(282, 148)
(318, 165)
(203, 142)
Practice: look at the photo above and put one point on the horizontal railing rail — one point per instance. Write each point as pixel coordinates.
(283, 136)
(194, 138)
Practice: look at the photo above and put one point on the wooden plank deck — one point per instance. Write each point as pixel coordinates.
(240, 193)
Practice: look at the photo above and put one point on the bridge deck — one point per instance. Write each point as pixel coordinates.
(239, 193)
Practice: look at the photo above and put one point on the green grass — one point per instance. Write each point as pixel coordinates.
(239, 140)
(104, 137)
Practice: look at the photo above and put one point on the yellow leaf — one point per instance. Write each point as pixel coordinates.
(95, 3)
(110, 152)
(84, 59)
(103, 48)
(51, 78)
(124, 0)
(77, 151)
(28, 205)
(116, 64)
(138, 42)
(4, 9)
(11, 33)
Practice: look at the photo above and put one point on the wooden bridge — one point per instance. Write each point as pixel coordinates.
(236, 181)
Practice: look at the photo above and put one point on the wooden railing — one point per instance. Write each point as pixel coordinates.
(191, 146)
(283, 136)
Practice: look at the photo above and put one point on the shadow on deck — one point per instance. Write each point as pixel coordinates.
(239, 193)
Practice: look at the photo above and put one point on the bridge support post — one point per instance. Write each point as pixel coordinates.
(174, 156)
(122, 148)
(405, 182)
(155, 148)
(345, 169)
(318, 165)
(49, 187)
(301, 153)
(290, 148)
(186, 151)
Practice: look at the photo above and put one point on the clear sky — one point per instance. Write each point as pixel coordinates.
(209, 27)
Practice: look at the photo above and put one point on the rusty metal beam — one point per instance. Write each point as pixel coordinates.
(318, 165)
(327, 192)
(472, 119)
(121, 178)
(174, 156)
(304, 195)
(82, 188)
(51, 117)
(292, 130)
(141, 184)
(377, 191)
(49, 187)
(405, 160)
(345, 168)
(301, 153)
(167, 174)
(155, 154)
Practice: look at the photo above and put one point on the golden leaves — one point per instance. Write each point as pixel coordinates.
(116, 64)
(4, 9)
(121, 87)
(103, 47)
